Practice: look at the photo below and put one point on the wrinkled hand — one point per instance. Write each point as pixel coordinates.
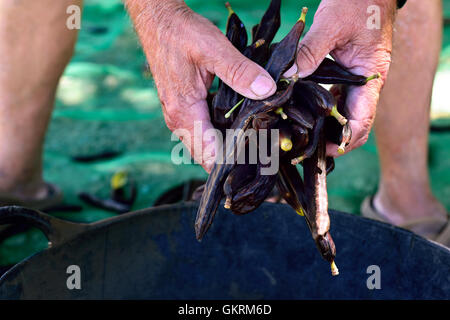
(185, 51)
(340, 29)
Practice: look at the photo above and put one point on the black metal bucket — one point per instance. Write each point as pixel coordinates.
(269, 254)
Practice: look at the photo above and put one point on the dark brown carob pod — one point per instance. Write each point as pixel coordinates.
(263, 121)
(236, 32)
(238, 178)
(214, 186)
(300, 116)
(300, 138)
(270, 23)
(315, 175)
(284, 54)
(330, 165)
(327, 249)
(258, 52)
(254, 30)
(290, 185)
(252, 195)
(314, 139)
(330, 72)
(317, 99)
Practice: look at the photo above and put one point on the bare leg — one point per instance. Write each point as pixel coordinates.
(402, 122)
(35, 46)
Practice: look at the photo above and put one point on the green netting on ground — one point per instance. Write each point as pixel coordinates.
(106, 102)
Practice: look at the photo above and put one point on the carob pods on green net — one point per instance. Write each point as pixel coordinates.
(284, 54)
(331, 72)
(236, 32)
(270, 23)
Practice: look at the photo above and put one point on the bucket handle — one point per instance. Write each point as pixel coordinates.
(56, 231)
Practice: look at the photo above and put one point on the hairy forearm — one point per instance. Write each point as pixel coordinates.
(154, 18)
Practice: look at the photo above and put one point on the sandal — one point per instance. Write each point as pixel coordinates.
(419, 226)
(53, 199)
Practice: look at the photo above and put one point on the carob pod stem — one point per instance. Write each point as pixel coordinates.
(334, 131)
(285, 139)
(330, 72)
(346, 137)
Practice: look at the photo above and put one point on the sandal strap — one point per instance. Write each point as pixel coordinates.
(444, 236)
(426, 221)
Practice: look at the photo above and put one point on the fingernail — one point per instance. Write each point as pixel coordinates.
(262, 85)
(293, 70)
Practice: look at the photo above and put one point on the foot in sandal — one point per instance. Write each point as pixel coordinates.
(47, 197)
(435, 227)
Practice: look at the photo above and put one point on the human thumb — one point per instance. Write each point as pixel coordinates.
(241, 74)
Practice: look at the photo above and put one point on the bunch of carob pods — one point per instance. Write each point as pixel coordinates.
(307, 116)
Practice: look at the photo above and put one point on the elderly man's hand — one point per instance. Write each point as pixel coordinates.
(185, 51)
(340, 28)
